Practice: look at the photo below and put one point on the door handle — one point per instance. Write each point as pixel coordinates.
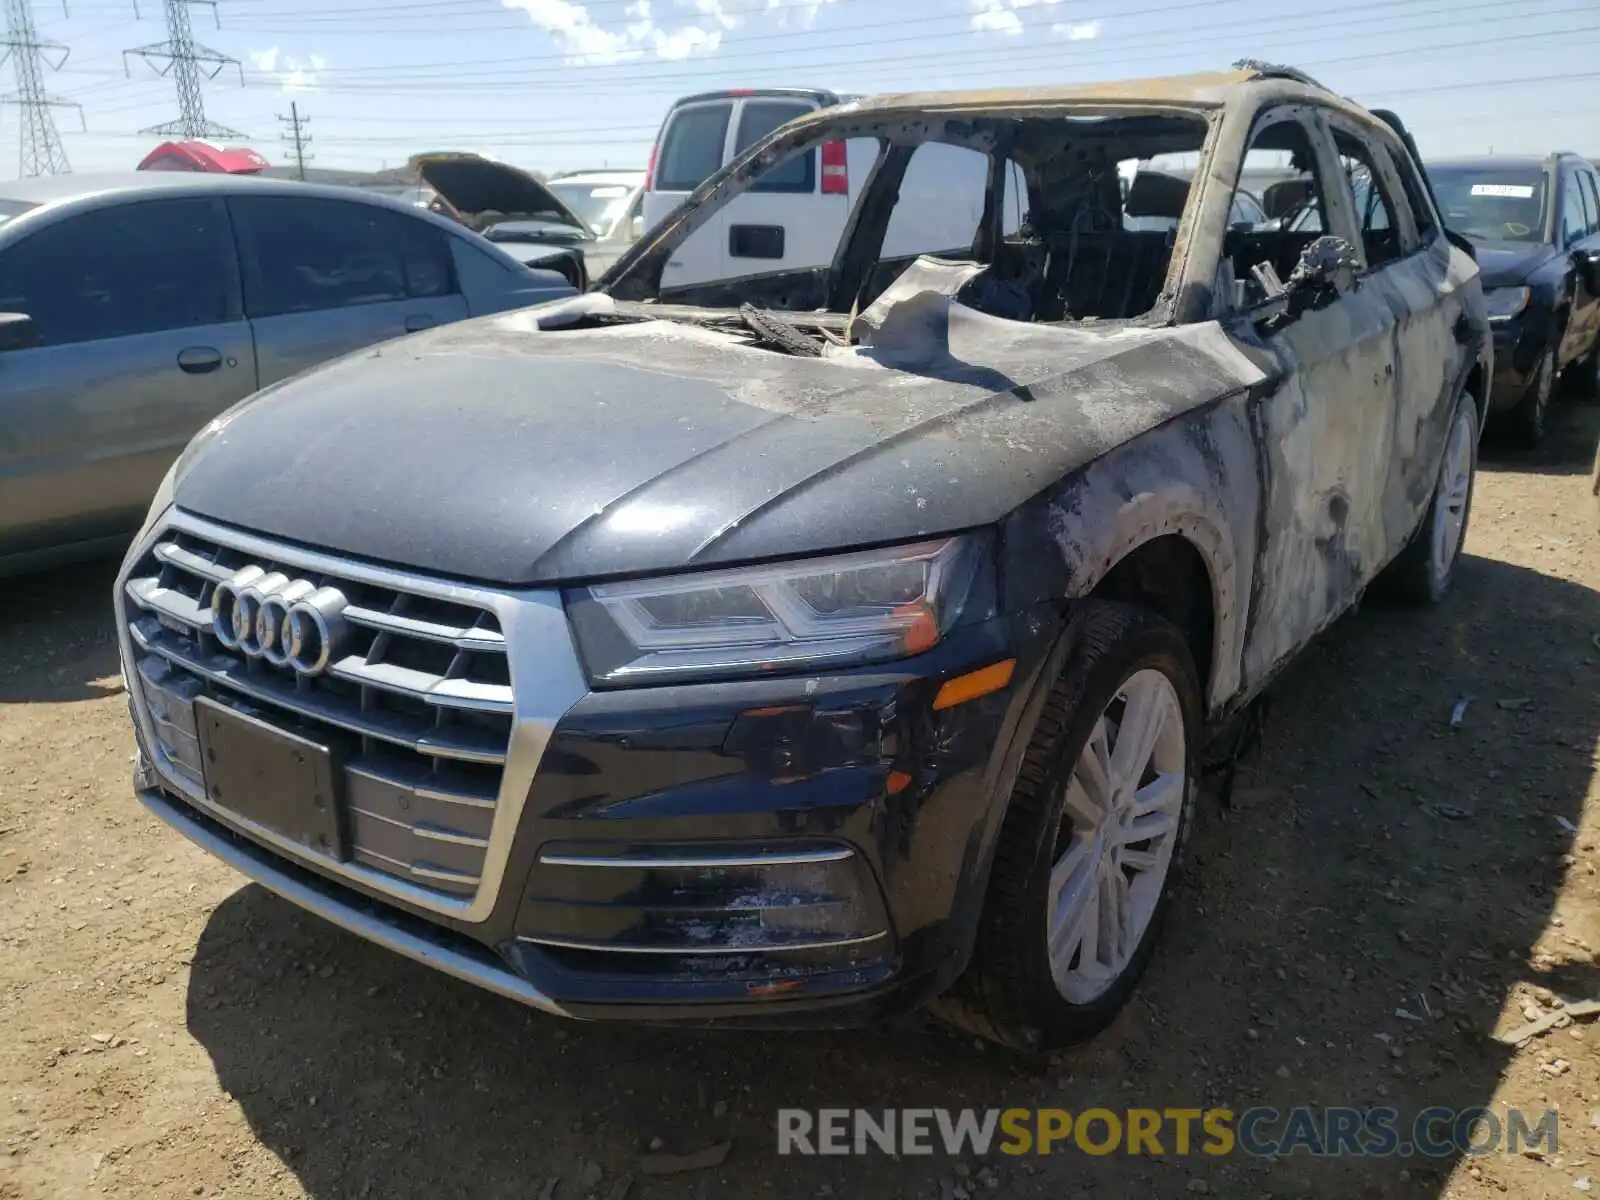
(418, 321)
(199, 360)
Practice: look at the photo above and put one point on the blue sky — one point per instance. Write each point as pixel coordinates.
(558, 84)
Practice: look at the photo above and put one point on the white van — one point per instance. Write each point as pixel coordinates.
(794, 216)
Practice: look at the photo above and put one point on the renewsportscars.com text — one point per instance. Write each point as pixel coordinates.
(1258, 1132)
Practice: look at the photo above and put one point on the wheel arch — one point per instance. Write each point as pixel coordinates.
(1170, 576)
(1169, 556)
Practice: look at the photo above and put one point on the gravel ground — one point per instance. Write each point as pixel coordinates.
(170, 1032)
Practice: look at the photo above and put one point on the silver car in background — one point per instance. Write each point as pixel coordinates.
(136, 307)
(612, 202)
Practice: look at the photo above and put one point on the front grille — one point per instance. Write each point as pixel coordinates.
(419, 697)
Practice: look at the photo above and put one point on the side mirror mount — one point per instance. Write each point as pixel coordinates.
(17, 332)
(636, 227)
(1326, 271)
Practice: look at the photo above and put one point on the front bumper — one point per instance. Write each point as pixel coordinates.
(349, 910)
(640, 838)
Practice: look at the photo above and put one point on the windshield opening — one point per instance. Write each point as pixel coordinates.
(1050, 212)
(601, 205)
(1492, 203)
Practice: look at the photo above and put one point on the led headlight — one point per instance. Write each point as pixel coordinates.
(819, 613)
(1506, 302)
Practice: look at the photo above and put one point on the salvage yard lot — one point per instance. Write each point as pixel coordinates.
(170, 1032)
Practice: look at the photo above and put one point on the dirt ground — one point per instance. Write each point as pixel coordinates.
(169, 1032)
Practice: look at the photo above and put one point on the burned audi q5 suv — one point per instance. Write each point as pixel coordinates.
(800, 646)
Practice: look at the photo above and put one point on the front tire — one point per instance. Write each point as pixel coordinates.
(1091, 848)
(1528, 421)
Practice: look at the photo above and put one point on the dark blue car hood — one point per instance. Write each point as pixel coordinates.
(494, 451)
(1507, 264)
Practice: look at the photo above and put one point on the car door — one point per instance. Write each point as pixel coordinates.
(692, 149)
(1424, 285)
(141, 341)
(1327, 423)
(1586, 314)
(1573, 233)
(323, 277)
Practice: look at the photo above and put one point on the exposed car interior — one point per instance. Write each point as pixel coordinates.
(1091, 246)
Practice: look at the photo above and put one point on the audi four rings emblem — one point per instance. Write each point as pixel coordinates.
(288, 622)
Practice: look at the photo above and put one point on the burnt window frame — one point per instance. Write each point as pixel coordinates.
(1419, 199)
(1382, 174)
(1336, 216)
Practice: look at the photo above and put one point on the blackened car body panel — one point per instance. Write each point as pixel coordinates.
(804, 645)
(1536, 226)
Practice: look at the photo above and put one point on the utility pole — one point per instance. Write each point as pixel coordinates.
(41, 150)
(186, 62)
(297, 137)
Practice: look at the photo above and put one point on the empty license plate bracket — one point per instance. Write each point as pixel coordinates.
(279, 780)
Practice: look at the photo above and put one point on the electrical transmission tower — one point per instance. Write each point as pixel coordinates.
(42, 151)
(186, 62)
(296, 136)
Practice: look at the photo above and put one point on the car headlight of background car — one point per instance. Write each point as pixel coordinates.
(832, 612)
(1506, 302)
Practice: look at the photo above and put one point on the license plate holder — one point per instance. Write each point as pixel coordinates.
(279, 780)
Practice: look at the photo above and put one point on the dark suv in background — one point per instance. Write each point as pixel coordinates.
(1536, 225)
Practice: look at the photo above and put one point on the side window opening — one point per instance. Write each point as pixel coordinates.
(692, 150)
(940, 204)
(1281, 167)
(1374, 210)
(1591, 199)
(117, 272)
(1416, 192)
(1574, 222)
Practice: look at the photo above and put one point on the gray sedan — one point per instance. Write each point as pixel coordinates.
(136, 307)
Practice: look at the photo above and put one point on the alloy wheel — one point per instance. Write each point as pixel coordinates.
(1452, 495)
(1123, 807)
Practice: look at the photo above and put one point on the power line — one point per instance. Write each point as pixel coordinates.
(186, 62)
(297, 137)
(643, 133)
(40, 151)
(467, 81)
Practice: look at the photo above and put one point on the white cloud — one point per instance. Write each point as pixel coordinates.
(992, 16)
(684, 42)
(803, 14)
(575, 31)
(290, 73)
(697, 31)
(1000, 16)
(1082, 32)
